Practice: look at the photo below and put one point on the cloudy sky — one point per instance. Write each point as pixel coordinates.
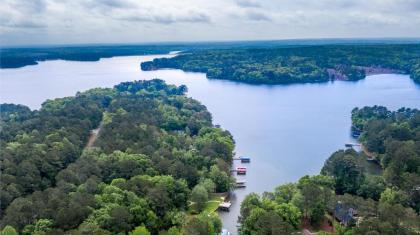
(132, 21)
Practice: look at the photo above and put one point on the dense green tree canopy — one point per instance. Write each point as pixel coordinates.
(281, 211)
(199, 196)
(393, 139)
(344, 167)
(297, 64)
(154, 146)
(384, 203)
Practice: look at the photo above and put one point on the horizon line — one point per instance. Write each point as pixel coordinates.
(181, 42)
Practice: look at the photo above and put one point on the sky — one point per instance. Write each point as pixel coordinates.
(27, 22)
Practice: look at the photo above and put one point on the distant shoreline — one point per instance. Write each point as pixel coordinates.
(17, 57)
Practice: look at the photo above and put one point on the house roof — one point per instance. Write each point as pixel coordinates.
(344, 213)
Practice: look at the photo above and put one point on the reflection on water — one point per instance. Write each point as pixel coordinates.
(287, 130)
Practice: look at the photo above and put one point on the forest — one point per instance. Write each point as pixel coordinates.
(156, 154)
(12, 57)
(19, 57)
(298, 64)
(16, 57)
(347, 197)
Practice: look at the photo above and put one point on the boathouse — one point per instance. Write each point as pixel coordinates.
(241, 170)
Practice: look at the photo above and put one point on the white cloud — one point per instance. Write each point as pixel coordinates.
(257, 16)
(22, 14)
(248, 3)
(101, 21)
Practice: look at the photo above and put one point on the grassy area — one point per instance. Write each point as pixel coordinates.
(211, 205)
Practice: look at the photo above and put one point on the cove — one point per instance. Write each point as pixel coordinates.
(287, 130)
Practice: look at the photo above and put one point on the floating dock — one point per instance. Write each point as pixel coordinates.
(240, 184)
(243, 159)
(351, 145)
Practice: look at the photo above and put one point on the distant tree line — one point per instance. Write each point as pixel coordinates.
(386, 203)
(300, 64)
(15, 57)
(19, 57)
(154, 147)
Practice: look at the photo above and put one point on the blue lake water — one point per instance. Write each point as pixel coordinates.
(287, 130)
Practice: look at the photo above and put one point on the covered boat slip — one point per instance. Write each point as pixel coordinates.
(241, 170)
(243, 159)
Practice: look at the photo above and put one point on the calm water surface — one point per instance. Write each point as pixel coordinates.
(287, 130)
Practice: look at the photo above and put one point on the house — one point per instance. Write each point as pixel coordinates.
(344, 214)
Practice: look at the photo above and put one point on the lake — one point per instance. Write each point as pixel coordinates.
(287, 130)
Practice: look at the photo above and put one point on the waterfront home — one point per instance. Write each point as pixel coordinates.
(344, 214)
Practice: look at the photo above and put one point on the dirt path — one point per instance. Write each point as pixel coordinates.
(367, 152)
(94, 135)
(307, 232)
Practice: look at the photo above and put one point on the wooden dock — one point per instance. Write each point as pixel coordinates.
(351, 145)
(225, 206)
(240, 184)
(242, 159)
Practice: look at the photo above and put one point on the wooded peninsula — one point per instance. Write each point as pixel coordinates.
(299, 64)
(153, 167)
